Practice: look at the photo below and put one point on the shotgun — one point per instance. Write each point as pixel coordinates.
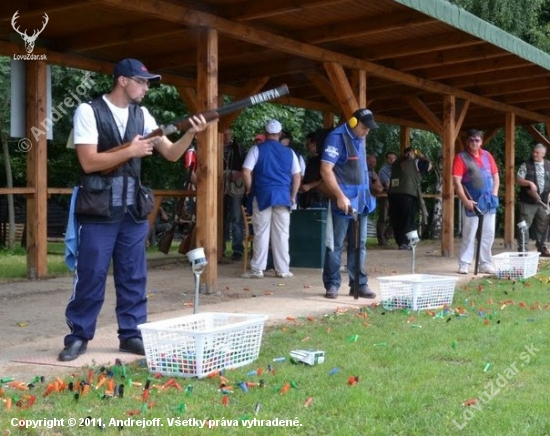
(480, 215)
(209, 115)
(535, 195)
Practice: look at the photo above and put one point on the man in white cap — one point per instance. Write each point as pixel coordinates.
(345, 174)
(272, 176)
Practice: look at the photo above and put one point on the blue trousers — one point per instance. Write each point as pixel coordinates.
(233, 219)
(124, 243)
(343, 227)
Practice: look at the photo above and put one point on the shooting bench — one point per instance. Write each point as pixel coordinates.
(160, 195)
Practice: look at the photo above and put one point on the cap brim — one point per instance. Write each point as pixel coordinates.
(148, 76)
(369, 123)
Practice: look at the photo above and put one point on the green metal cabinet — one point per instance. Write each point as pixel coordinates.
(307, 238)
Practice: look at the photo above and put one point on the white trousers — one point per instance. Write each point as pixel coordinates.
(272, 224)
(469, 229)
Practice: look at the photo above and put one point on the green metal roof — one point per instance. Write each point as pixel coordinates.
(467, 22)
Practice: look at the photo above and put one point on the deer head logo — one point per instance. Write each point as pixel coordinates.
(29, 40)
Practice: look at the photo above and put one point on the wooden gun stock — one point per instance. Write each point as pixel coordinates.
(210, 115)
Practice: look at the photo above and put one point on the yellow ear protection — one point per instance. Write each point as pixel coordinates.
(352, 122)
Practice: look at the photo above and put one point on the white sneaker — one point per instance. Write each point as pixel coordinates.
(253, 274)
(463, 269)
(285, 275)
(487, 269)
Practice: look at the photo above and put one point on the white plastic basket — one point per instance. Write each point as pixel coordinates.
(516, 265)
(197, 345)
(416, 291)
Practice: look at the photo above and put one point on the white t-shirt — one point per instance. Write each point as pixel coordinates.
(539, 171)
(85, 127)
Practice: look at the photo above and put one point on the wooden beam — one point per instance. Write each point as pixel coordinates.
(489, 134)
(461, 109)
(504, 76)
(207, 156)
(510, 180)
(344, 93)
(404, 137)
(248, 11)
(324, 86)
(525, 85)
(536, 135)
(119, 35)
(503, 63)
(177, 13)
(449, 135)
(434, 43)
(447, 57)
(427, 115)
(356, 28)
(37, 171)
(37, 8)
(359, 86)
(405, 122)
(328, 120)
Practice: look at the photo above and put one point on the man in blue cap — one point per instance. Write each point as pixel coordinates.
(111, 227)
(345, 175)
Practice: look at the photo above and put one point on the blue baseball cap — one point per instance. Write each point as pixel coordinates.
(133, 68)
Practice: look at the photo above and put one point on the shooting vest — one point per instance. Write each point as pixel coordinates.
(531, 175)
(352, 177)
(105, 198)
(405, 178)
(478, 182)
(272, 182)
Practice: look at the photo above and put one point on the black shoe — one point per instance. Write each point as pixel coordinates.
(332, 293)
(236, 257)
(405, 247)
(364, 292)
(72, 351)
(132, 345)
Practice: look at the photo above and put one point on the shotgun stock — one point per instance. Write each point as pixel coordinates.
(210, 115)
(168, 235)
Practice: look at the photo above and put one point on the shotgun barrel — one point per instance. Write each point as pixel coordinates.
(209, 115)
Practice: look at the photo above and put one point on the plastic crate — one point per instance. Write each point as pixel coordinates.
(197, 345)
(416, 291)
(516, 265)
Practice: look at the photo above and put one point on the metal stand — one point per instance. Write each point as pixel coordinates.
(413, 242)
(523, 230)
(197, 285)
(198, 264)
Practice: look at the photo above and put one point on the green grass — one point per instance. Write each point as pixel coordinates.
(415, 372)
(13, 263)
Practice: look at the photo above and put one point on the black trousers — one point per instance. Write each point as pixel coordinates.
(403, 208)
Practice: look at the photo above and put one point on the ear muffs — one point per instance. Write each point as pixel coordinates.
(352, 122)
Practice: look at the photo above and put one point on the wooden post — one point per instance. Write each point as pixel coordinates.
(359, 86)
(447, 196)
(37, 226)
(510, 178)
(207, 156)
(404, 137)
